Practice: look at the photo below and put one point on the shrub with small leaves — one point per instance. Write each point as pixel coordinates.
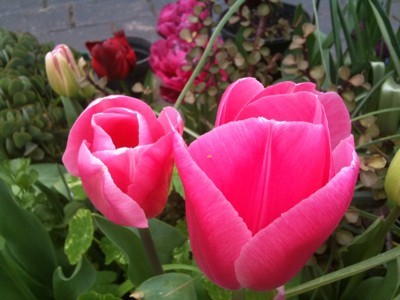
(32, 121)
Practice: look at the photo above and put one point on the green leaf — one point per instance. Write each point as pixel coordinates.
(387, 33)
(8, 288)
(26, 239)
(80, 281)
(72, 110)
(112, 252)
(176, 183)
(379, 287)
(166, 239)
(171, 286)
(92, 295)
(129, 242)
(80, 235)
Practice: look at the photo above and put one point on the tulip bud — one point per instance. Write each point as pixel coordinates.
(392, 181)
(389, 97)
(62, 71)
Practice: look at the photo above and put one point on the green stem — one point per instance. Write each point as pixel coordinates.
(386, 138)
(377, 112)
(239, 294)
(207, 50)
(344, 273)
(151, 250)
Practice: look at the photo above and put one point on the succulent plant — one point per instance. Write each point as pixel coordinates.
(32, 119)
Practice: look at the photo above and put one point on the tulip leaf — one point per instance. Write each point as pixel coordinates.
(380, 287)
(81, 280)
(26, 245)
(92, 295)
(166, 239)
(80, 235)
(176, 183)
(171, 286)
(139, 268)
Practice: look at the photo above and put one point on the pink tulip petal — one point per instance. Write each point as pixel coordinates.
(338, 116)
(114, 130)
(256, 164)
(150, 183)
(235, 97)
(83, 131)
(117, 206)
(170, 119)
(279, 251)
(285, 87)
(217, 233)
(302, 106)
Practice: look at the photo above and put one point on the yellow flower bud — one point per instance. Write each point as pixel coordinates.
(392, 181)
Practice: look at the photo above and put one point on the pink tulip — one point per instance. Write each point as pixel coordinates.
(267, 186)
(124, 157)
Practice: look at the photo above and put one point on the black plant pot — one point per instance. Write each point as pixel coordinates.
(279, 44)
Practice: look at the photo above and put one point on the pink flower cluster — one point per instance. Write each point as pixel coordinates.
(168, 56)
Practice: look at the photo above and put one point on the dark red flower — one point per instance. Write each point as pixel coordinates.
(113, 58)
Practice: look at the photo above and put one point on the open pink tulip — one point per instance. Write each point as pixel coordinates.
(268, 185)
(124, 156)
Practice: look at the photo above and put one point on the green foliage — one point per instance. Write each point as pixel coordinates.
(172, 286)
(27, 255)
(32, 121)
(80, 235)
(81, 280)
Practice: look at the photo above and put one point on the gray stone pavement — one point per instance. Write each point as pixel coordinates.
(73, 22)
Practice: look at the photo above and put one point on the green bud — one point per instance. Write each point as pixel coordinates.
(389, 97)
(392, 181)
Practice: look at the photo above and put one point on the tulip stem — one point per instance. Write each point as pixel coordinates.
(239, 295)
(207, 50)
(151, 252)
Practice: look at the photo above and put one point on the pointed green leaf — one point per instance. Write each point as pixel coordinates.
(26, 239)
(166, 239)
(128, 241)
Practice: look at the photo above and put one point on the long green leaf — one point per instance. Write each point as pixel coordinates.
(388, 34)
(344, 273)
(334, 6)
(26, 239)
(128, 241)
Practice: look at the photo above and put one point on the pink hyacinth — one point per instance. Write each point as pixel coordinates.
(123, 154)
(269, 184)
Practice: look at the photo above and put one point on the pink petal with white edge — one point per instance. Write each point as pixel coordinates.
(217, 233)
(235, 97)
(263, 167)
(279, 251)
(99, 186)
(337, 115)
(83, 131)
